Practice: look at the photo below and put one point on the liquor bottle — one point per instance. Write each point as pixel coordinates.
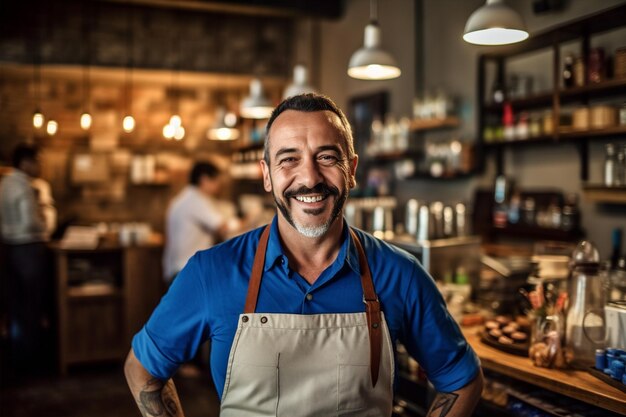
(500, 196)
(568, 71)
(508, 121)
(609, 165)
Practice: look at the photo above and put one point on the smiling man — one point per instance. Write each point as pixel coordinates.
(303, 314)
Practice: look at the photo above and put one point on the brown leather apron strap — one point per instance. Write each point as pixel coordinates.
(372, 305)
(372, 308)
(257, 272)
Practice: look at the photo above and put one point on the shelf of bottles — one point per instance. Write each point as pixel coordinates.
(396, 142)
(588, 102)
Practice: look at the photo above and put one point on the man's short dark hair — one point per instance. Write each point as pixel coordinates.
(201, 169)
(24, 151)
(310, 102)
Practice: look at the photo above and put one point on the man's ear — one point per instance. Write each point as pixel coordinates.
(353, 164)
(267, 182)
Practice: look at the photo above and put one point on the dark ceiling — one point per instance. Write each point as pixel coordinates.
(329, 9)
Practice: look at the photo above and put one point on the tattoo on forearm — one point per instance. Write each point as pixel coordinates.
(442, 404)
(158, 399)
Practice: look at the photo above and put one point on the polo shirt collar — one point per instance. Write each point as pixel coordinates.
(347, 253)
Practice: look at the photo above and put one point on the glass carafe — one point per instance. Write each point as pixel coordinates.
(585, 327)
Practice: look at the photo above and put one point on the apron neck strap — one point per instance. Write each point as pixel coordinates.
(257, 272)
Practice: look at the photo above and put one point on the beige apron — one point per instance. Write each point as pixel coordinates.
(294, 365)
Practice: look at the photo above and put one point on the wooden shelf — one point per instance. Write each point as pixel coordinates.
(603, 194)
(613, 87)
(523, 231)
(575, 384)
(93, 291)
(419, 125)
(445, 177)
(393, 156)
(616, 86)
(593, 133)
(533, 101)
(563, 136)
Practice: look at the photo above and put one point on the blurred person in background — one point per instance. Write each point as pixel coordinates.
(196, 218)
(28, 218)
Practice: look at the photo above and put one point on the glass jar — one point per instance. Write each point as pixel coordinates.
(546, 342)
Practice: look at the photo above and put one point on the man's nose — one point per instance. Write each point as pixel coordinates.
(310, 174)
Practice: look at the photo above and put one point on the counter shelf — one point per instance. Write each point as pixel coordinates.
(576, 384)
(104, 296)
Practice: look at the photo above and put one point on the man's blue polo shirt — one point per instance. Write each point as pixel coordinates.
(208, 296)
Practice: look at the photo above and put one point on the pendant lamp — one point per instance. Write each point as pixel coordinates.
(38, 118)
(300, 84)
(174, 128)
(85, 117)
(495, 23)
(128, 122)
(256, 105)
(371, 62)
(224, 126)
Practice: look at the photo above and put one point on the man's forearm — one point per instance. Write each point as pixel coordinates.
(459, 403)
(153, 396)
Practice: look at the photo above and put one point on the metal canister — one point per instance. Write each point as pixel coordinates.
(411, 220)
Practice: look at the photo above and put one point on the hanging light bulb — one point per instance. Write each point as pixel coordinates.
(38, 119)
(495, 23)
(300, 83)
(372, 62)
(223, 128)
(52, 127)
(176, 121)
(85, 121)
(179, 132)
(168, 131)
(128, 124)
(256, 105)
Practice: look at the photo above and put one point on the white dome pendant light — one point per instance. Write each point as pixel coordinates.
(256, 105)
(371, 62)
(495, 23)
(224, 126)
(300, 83)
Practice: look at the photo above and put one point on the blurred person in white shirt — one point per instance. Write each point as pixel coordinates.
(196, 219)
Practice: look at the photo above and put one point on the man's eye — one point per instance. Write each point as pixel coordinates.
(289, 160)
(328, 159)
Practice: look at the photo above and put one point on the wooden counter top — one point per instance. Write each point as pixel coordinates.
(576, 384)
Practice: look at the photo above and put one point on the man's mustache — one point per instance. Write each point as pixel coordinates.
(320, 188)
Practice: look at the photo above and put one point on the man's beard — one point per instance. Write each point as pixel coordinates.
(325, 190)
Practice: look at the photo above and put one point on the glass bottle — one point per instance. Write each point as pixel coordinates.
(497, 92)
(528, 211)
(501, 194)
(568, 71)
(610, 164)
(570, 217)
(620, 166)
